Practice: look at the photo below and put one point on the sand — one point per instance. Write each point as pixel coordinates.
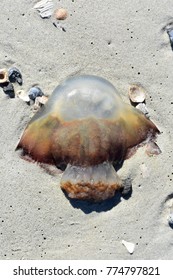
(125, 43)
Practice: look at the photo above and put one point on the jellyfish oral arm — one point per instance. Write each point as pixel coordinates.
(95, 183)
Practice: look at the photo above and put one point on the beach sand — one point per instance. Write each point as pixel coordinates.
(125, 43)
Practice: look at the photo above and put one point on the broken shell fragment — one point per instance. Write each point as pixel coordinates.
(3, 76)
(45, 8)
(60, 14)
(87, 127)
(39, 102)
(35, 92)
(22, 95)
(15, 75)
(142, 107)
(152, 149)
(42, 99)
(129, 246)
(9, 90)
(136, 94)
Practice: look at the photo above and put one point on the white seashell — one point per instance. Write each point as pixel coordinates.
(45, 8)
(22, 95)
(136, 94)
(142, 107)
(129, 246)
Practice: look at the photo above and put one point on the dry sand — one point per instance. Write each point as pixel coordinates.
(125, 43)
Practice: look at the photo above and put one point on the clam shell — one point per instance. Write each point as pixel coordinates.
(129, 246)
(136, 93)
(60, 14)
(3, 76)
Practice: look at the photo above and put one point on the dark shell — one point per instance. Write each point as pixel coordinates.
(15, 75)
(35, 92)
(9, 90)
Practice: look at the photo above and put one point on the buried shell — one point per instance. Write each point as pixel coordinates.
(86, 126)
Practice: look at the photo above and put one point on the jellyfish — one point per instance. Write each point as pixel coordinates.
(87, 127)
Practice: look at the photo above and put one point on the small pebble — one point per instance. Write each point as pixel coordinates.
(60, 14)
(14, 75)
(35, 92)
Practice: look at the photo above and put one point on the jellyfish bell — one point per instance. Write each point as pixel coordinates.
(86, 125)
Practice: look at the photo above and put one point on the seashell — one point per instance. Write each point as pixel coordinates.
(136, 94)
(170, 219)
(3, 76)
(142, 107)
(14, 75)
(42, 99)
(152, 149)
(45, 8)
(35, 92)
(170, 34)
(22, 95)
(9, 90)
(86, 126)
(60, 14)
(129, 246)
